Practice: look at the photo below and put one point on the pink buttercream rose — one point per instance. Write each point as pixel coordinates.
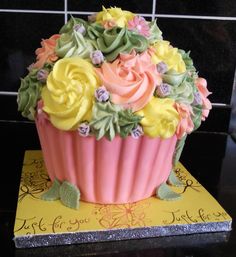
(131, 79)
(185, 125)
(201, 84)
(46, 53)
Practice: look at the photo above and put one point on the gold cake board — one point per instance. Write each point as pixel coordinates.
(41, 223)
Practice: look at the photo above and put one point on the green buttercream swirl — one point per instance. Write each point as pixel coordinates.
(182, 89)
(155, 33)
(69, 26)
(105, 120)
(173, 78)
(127, 122)
(109, 119)
(28, 95)
(73, 44)
(95, 30)
(187, 60)
(118, 40)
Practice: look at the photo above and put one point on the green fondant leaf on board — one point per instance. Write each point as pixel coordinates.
(164, 192)
(69, 195)
(174, 181)
(53, 193)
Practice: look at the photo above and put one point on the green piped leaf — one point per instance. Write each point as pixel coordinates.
(69, 195)
(105, 120)
(164, 192)
(174, 181)
(127, 122)
(53, 193)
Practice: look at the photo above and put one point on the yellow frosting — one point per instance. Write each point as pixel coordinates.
(69, 94)
(115, 14)
(160, 118)
(164, 52)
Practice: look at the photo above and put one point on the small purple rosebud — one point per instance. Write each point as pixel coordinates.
(137, 132)
(197, 99)
(84, 129)
(80, 28)
(163, 90)
(92, 17)
(162, 67)
(42, 75)
(97, 57)
(101, 94)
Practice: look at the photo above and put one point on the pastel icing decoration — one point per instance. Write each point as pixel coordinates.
(113, 105)
(164, 192)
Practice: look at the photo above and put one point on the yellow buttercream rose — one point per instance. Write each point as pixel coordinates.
(116, 15)
(69, 94)
(164, 52)
(160, 118)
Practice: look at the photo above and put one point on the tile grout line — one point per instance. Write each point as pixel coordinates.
(7, 93)
(196, 17)
(31, 11)
(153, 9)
(152, 15)
(65, 10)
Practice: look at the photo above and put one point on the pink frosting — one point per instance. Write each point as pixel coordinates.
(186, 124)
(201, 84)
(106, 172)
(131, 79)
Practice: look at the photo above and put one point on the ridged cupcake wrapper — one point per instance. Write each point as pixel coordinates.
(106, 172)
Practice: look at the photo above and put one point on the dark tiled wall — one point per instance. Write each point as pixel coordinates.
(207, 28)
(211, 39)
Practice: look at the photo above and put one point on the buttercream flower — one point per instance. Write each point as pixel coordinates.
(97, 57)
(42, 75)
(197, 99)
(201, 84)
(101, 94)
(47, 52)
(160, 118)
(162, 51)
(84, 129)
(80, 28)
(185, 124)
(131, 80)
(163, 90)
(140, 25)
(108, 24)
(69, 94)
(119, 16)
(137, 132)
(162, 67)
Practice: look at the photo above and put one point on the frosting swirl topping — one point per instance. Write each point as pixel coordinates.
(113, 74)
(131, 80)
(69, 94)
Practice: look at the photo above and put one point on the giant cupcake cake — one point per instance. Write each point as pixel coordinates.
(113, 103)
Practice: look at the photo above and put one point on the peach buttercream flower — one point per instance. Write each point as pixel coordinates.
(131, 79)
(46, 53)
(185, 125)
(201, 84)
(109, 24)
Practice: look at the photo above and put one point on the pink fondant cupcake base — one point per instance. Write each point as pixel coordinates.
(107, 172)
